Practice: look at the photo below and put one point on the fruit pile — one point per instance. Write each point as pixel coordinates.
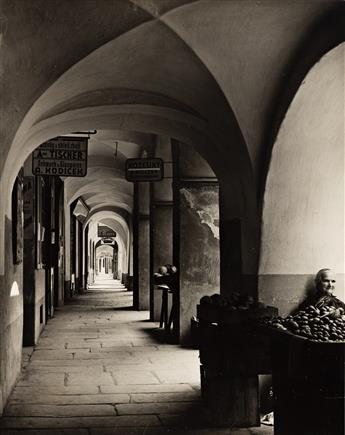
(324, 324)
(233, 302)
(167, 269)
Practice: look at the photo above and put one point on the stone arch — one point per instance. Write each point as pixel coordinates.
(151, 119)
(187, 104)
(303, 214)
(121, 228)
(112, 250)
(326, 34)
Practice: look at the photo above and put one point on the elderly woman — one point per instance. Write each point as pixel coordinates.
(325, 285)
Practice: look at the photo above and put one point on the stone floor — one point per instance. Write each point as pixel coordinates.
(102, 368)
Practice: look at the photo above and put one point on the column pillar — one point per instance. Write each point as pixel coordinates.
(141, 294)
(161, 247)
(196, 234)
(29, 276)
(161, 223)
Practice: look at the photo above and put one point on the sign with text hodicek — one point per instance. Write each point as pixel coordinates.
(63, 156)
(144, 169)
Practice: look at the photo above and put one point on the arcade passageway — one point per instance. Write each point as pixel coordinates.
(99, 368)
(191, 144)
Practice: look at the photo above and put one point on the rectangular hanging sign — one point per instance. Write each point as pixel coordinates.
(144, 169)
(104, 231)
(63, 156)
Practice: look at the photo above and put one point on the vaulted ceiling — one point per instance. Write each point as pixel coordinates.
(207, 72)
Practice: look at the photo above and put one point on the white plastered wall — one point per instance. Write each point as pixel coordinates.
(303, 215)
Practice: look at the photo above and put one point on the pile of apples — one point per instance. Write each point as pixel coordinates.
(167, 269)
(233, 302)
(326, 324)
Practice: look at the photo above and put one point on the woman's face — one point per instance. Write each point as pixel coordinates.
(327, 282)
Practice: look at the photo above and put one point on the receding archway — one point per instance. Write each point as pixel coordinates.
(107, 258)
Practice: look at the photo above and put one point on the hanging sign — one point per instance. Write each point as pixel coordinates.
(81, 210)
(144, 169)
(63, 156)
(107, 242)
(104, 231)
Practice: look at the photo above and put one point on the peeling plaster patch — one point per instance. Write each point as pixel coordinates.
(205, 204)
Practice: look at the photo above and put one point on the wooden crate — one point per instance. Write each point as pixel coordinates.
(209, 313)
(232, 354)
(241, 349)
(230, 401)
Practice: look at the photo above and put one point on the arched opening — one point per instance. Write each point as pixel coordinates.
(185, 113)
(107, 224)
(201, 123)
(108, 250)
(149, 73)
(303, 216)
(106, 256)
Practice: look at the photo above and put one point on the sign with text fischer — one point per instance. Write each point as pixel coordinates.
(144, 169)
(63, 156)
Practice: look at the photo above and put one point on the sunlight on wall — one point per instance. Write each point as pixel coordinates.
(303, 217)
(14, 289)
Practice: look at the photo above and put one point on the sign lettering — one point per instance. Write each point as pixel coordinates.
(63, 156)
(144, 169)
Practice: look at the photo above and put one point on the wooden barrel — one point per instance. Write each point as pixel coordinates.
(308, 384)
(301, 411)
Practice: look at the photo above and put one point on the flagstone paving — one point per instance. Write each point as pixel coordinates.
(100, 368)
